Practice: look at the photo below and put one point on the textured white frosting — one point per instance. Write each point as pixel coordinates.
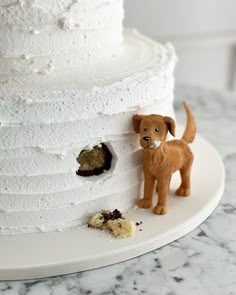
(48, 117)
(44, 27)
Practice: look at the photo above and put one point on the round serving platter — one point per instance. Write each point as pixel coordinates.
(50, 254)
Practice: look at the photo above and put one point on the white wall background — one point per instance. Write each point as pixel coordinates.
(203, 32)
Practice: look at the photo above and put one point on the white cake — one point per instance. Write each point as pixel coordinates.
(72, 78)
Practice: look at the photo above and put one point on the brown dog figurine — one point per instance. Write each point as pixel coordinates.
(162, 158)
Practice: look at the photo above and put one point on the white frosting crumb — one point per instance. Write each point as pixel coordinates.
(155, 144)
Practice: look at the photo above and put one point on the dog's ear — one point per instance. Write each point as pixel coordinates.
(137, 119)
(170, 125)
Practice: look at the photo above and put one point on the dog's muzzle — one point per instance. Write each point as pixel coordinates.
(147, 138)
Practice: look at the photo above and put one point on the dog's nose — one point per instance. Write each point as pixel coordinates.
(147, 138)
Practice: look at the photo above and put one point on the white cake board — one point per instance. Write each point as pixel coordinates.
(51, 254)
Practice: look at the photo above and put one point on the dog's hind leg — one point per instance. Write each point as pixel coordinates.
(185, 188)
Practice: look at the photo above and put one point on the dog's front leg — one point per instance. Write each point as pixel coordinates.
(162, 189)
(146, 201)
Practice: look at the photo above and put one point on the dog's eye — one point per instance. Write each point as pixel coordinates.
(145, 129)
(156, 130)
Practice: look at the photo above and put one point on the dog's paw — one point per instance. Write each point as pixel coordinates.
(144, 203)
(183, 192)
(160, 209)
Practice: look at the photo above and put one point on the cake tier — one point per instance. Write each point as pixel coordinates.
(47, 120)
(49, 27)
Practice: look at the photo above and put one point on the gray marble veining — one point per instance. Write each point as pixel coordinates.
(201, 263)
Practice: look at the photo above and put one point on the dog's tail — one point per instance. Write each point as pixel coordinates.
(190, 130)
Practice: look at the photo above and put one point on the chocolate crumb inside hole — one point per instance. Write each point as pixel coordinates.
(95, 161)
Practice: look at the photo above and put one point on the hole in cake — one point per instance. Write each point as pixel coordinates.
(95, 161)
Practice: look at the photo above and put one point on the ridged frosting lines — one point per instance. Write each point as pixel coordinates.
(49, 27)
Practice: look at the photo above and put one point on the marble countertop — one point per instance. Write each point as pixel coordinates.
(202, 262)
